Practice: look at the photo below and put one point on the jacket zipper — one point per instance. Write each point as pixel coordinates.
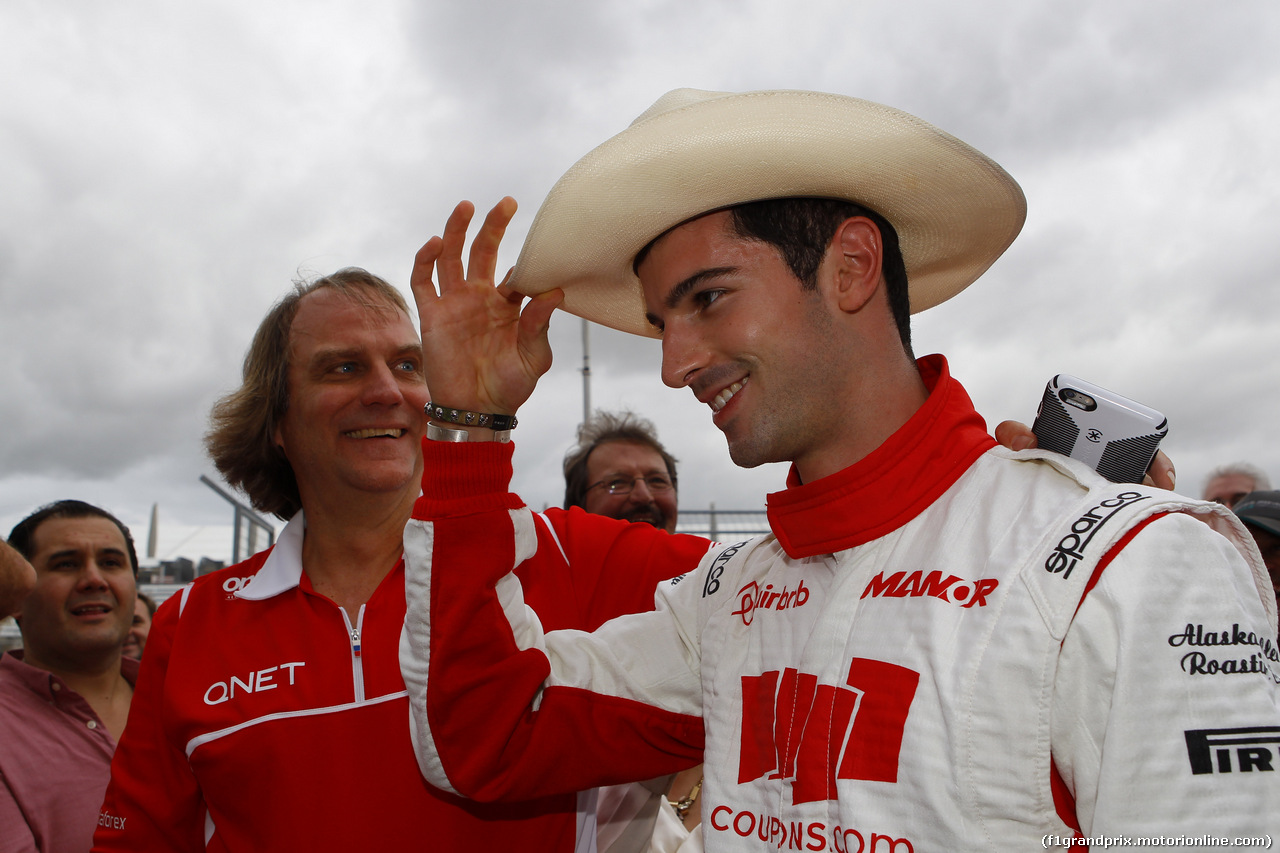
(357, 663)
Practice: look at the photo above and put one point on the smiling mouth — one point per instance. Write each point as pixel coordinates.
(376, 432)
(90, 610)
(722, 399)
(650, 514)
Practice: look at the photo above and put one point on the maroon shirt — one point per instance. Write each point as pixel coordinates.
(55, 759)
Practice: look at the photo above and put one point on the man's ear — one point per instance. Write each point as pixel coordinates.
(855, 255)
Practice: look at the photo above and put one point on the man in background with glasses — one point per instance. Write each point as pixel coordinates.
(619, 468)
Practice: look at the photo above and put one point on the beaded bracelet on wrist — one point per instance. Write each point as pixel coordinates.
(465, 418)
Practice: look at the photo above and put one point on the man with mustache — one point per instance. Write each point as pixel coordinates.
(619, 469)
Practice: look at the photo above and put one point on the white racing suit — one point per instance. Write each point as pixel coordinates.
(947, 646)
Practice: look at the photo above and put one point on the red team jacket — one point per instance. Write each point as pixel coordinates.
(266, 718)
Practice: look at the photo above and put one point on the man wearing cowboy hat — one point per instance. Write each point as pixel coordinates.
(942, 644)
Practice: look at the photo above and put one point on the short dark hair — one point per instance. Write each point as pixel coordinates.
(23, 535)
(600, 428)
(242, 425)
(149, 601)
(801, 229)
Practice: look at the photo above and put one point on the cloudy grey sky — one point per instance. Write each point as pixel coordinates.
(166, 169)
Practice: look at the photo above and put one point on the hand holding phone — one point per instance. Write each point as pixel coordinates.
(1114, 435)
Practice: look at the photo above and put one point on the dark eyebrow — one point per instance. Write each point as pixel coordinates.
(333, 354)
(648, 471)
(681, 290)
(414, 349)
(78, 552)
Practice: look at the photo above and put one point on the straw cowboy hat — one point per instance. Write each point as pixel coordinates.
(693, 151)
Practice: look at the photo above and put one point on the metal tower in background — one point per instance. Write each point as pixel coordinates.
(586, 371)
(247, 521)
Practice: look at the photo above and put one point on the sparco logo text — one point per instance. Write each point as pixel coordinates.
(1070, 548)
(712, 584)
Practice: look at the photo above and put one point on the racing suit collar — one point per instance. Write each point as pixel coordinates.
(282, 569)
(893, 484)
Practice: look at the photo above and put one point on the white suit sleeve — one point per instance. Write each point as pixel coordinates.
(1166, 710)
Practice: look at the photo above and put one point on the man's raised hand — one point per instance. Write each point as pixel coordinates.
(480, 351)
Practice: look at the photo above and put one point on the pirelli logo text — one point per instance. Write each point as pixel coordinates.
(813, 734)
(1071, 548)
(917, 583)
(1243, 750)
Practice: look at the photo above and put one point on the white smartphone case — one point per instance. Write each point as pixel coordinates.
(1112, 434)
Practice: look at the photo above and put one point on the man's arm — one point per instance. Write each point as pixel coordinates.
(613, 567)
(480, 670)
(502, 710)
(16, 837)
(153, 802)
(17, 579)
(1166, 716)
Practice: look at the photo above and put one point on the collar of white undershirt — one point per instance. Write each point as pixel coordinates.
(282, 569)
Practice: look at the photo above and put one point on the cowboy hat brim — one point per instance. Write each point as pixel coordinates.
(955, 210)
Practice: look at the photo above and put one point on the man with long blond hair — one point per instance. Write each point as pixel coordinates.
(271, 714)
